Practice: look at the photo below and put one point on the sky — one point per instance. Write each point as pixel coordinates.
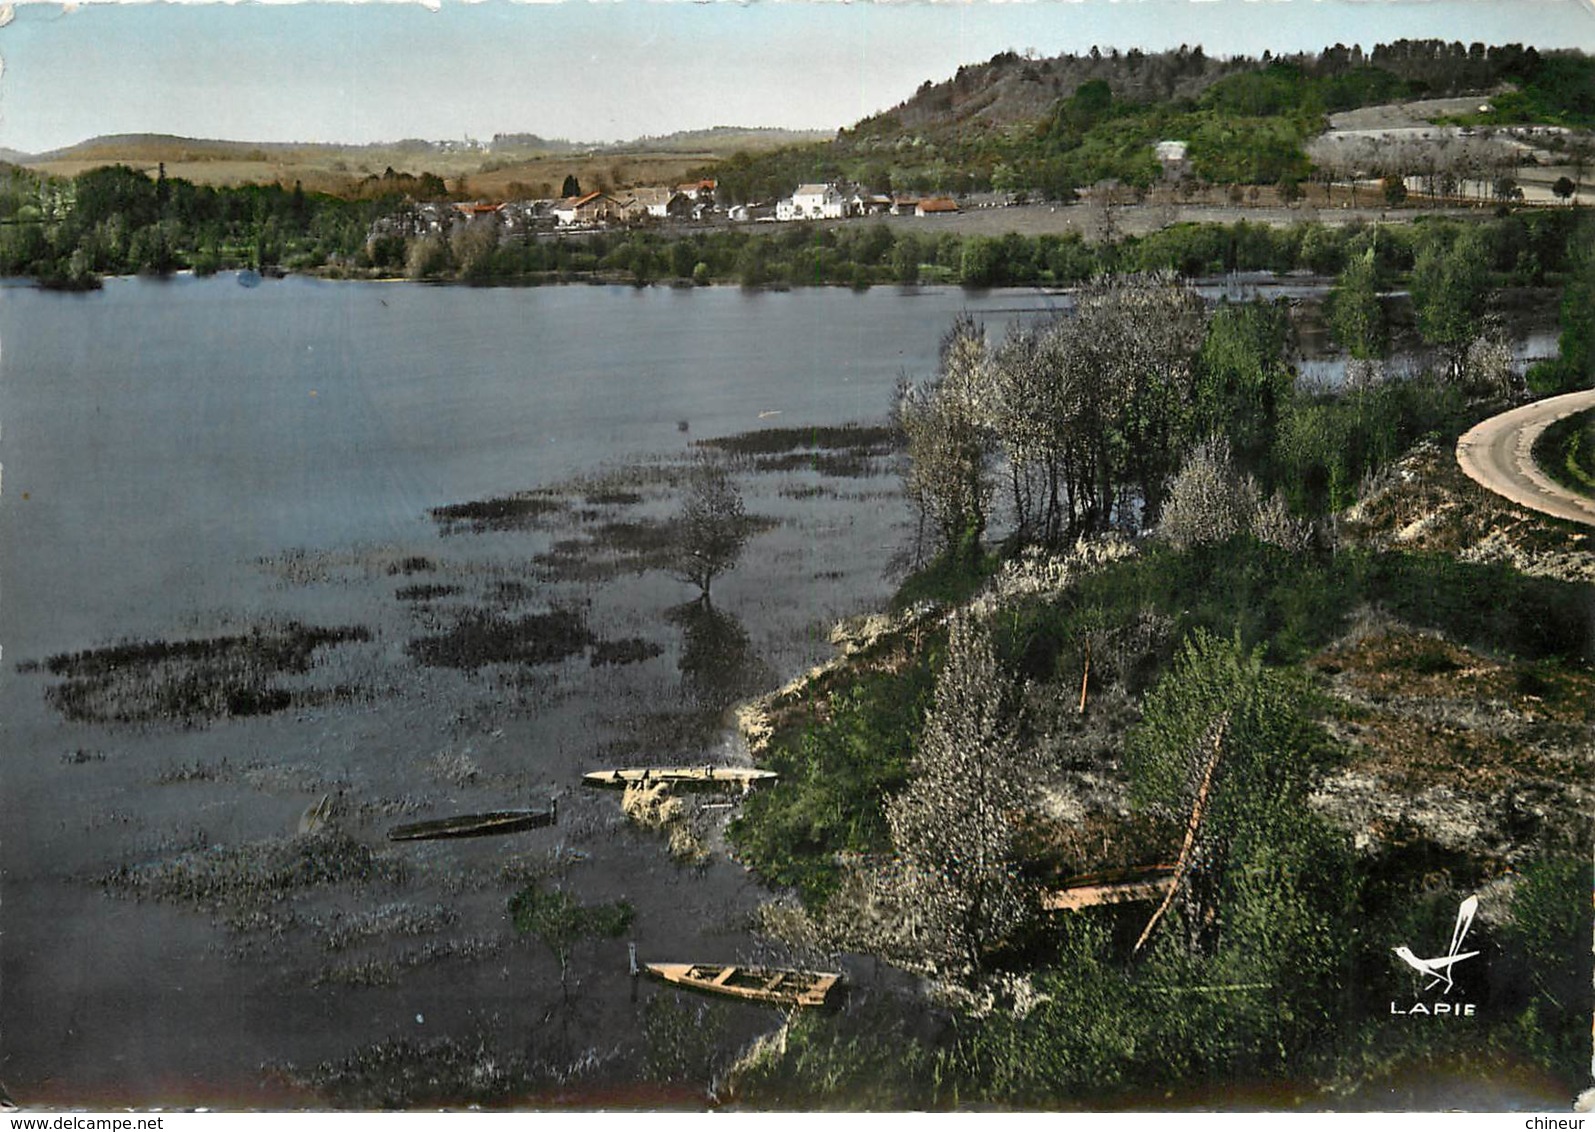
(608, 70)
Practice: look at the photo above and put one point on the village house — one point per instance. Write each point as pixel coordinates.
(700, 192)
(813, 202)
(869, 204)
(1171, 155)
(660, 204)
(479, 212)
(935, 206)
(592, 209)
(753, 211)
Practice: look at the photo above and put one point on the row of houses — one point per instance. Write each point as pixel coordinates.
(684, 203)
(830, 202)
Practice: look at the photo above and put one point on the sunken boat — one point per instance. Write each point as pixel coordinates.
(776, 986)
(488, 824)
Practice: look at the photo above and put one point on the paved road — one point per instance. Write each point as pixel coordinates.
(1497, 453)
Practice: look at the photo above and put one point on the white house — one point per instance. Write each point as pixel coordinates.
(813, 202)
(1171, 155)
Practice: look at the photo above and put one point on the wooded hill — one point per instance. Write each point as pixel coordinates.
(1049, 126)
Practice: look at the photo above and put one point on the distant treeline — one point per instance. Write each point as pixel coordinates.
(1524, 248)
(116, 221)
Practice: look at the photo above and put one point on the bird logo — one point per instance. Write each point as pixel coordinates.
(1439, 969)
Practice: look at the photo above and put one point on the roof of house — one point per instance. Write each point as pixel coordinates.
(813, 190)
(651, 196)
(938, 204)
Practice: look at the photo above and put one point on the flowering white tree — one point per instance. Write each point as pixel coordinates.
(953, 826)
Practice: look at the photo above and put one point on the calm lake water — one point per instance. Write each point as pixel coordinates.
(196, 458)
(192, 458)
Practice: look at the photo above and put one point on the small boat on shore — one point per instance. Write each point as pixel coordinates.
(743, 776)
(1116, 886)
(476, 825)
(777, 986)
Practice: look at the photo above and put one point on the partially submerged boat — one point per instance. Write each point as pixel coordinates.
(743, 776)
(476, 825)
(777, 986)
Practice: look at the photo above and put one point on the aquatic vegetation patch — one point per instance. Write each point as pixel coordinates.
(632, 650)
(80, 756)
(610, 495)
(425, 592)
(239, 878)
(412, 564)
(402, 1073)
(509, 513)
(192, 681)
(842, 451)
(387, 972)
(771, 441)
(480, 638)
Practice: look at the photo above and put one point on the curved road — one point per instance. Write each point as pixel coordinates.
(1497, 453)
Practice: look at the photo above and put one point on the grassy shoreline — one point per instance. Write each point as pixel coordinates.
(1566, 452)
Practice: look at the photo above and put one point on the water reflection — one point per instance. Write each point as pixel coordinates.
(718, 663)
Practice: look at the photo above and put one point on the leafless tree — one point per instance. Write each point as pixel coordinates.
(711, 527)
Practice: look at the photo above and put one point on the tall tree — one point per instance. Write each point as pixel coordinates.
(712, 527)
(945, 422)
(1450, 286)
(953, 827)
(1356, 317)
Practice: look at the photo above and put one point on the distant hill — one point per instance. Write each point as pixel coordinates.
(1017, 90)
(1048, 127)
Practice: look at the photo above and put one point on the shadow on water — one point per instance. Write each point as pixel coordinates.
(718, 663)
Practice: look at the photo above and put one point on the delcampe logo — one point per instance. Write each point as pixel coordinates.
(1439, 969)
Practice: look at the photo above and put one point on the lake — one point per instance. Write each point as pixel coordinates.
(201, 477)
(194, 460)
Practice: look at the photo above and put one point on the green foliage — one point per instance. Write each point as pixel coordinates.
(560, 921)
(1243, 377)
(1356, 317)
(1566, 451)
(1327, 443)
(1451, 284)
(1550, 929)
(1574, 366)
(1269, 749)
(835, 773)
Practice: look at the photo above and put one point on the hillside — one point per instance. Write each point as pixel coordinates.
(527, 161)
(1048, 127)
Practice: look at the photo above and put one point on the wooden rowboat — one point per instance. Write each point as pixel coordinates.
(743, 776)
(778, 986)
(475, 825)
(1119, 886)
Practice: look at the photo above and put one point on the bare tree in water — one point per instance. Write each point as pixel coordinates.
(712, 529)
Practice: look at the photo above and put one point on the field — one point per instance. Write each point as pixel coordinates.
(512, 169)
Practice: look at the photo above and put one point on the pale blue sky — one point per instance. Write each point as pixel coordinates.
(608, 71)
